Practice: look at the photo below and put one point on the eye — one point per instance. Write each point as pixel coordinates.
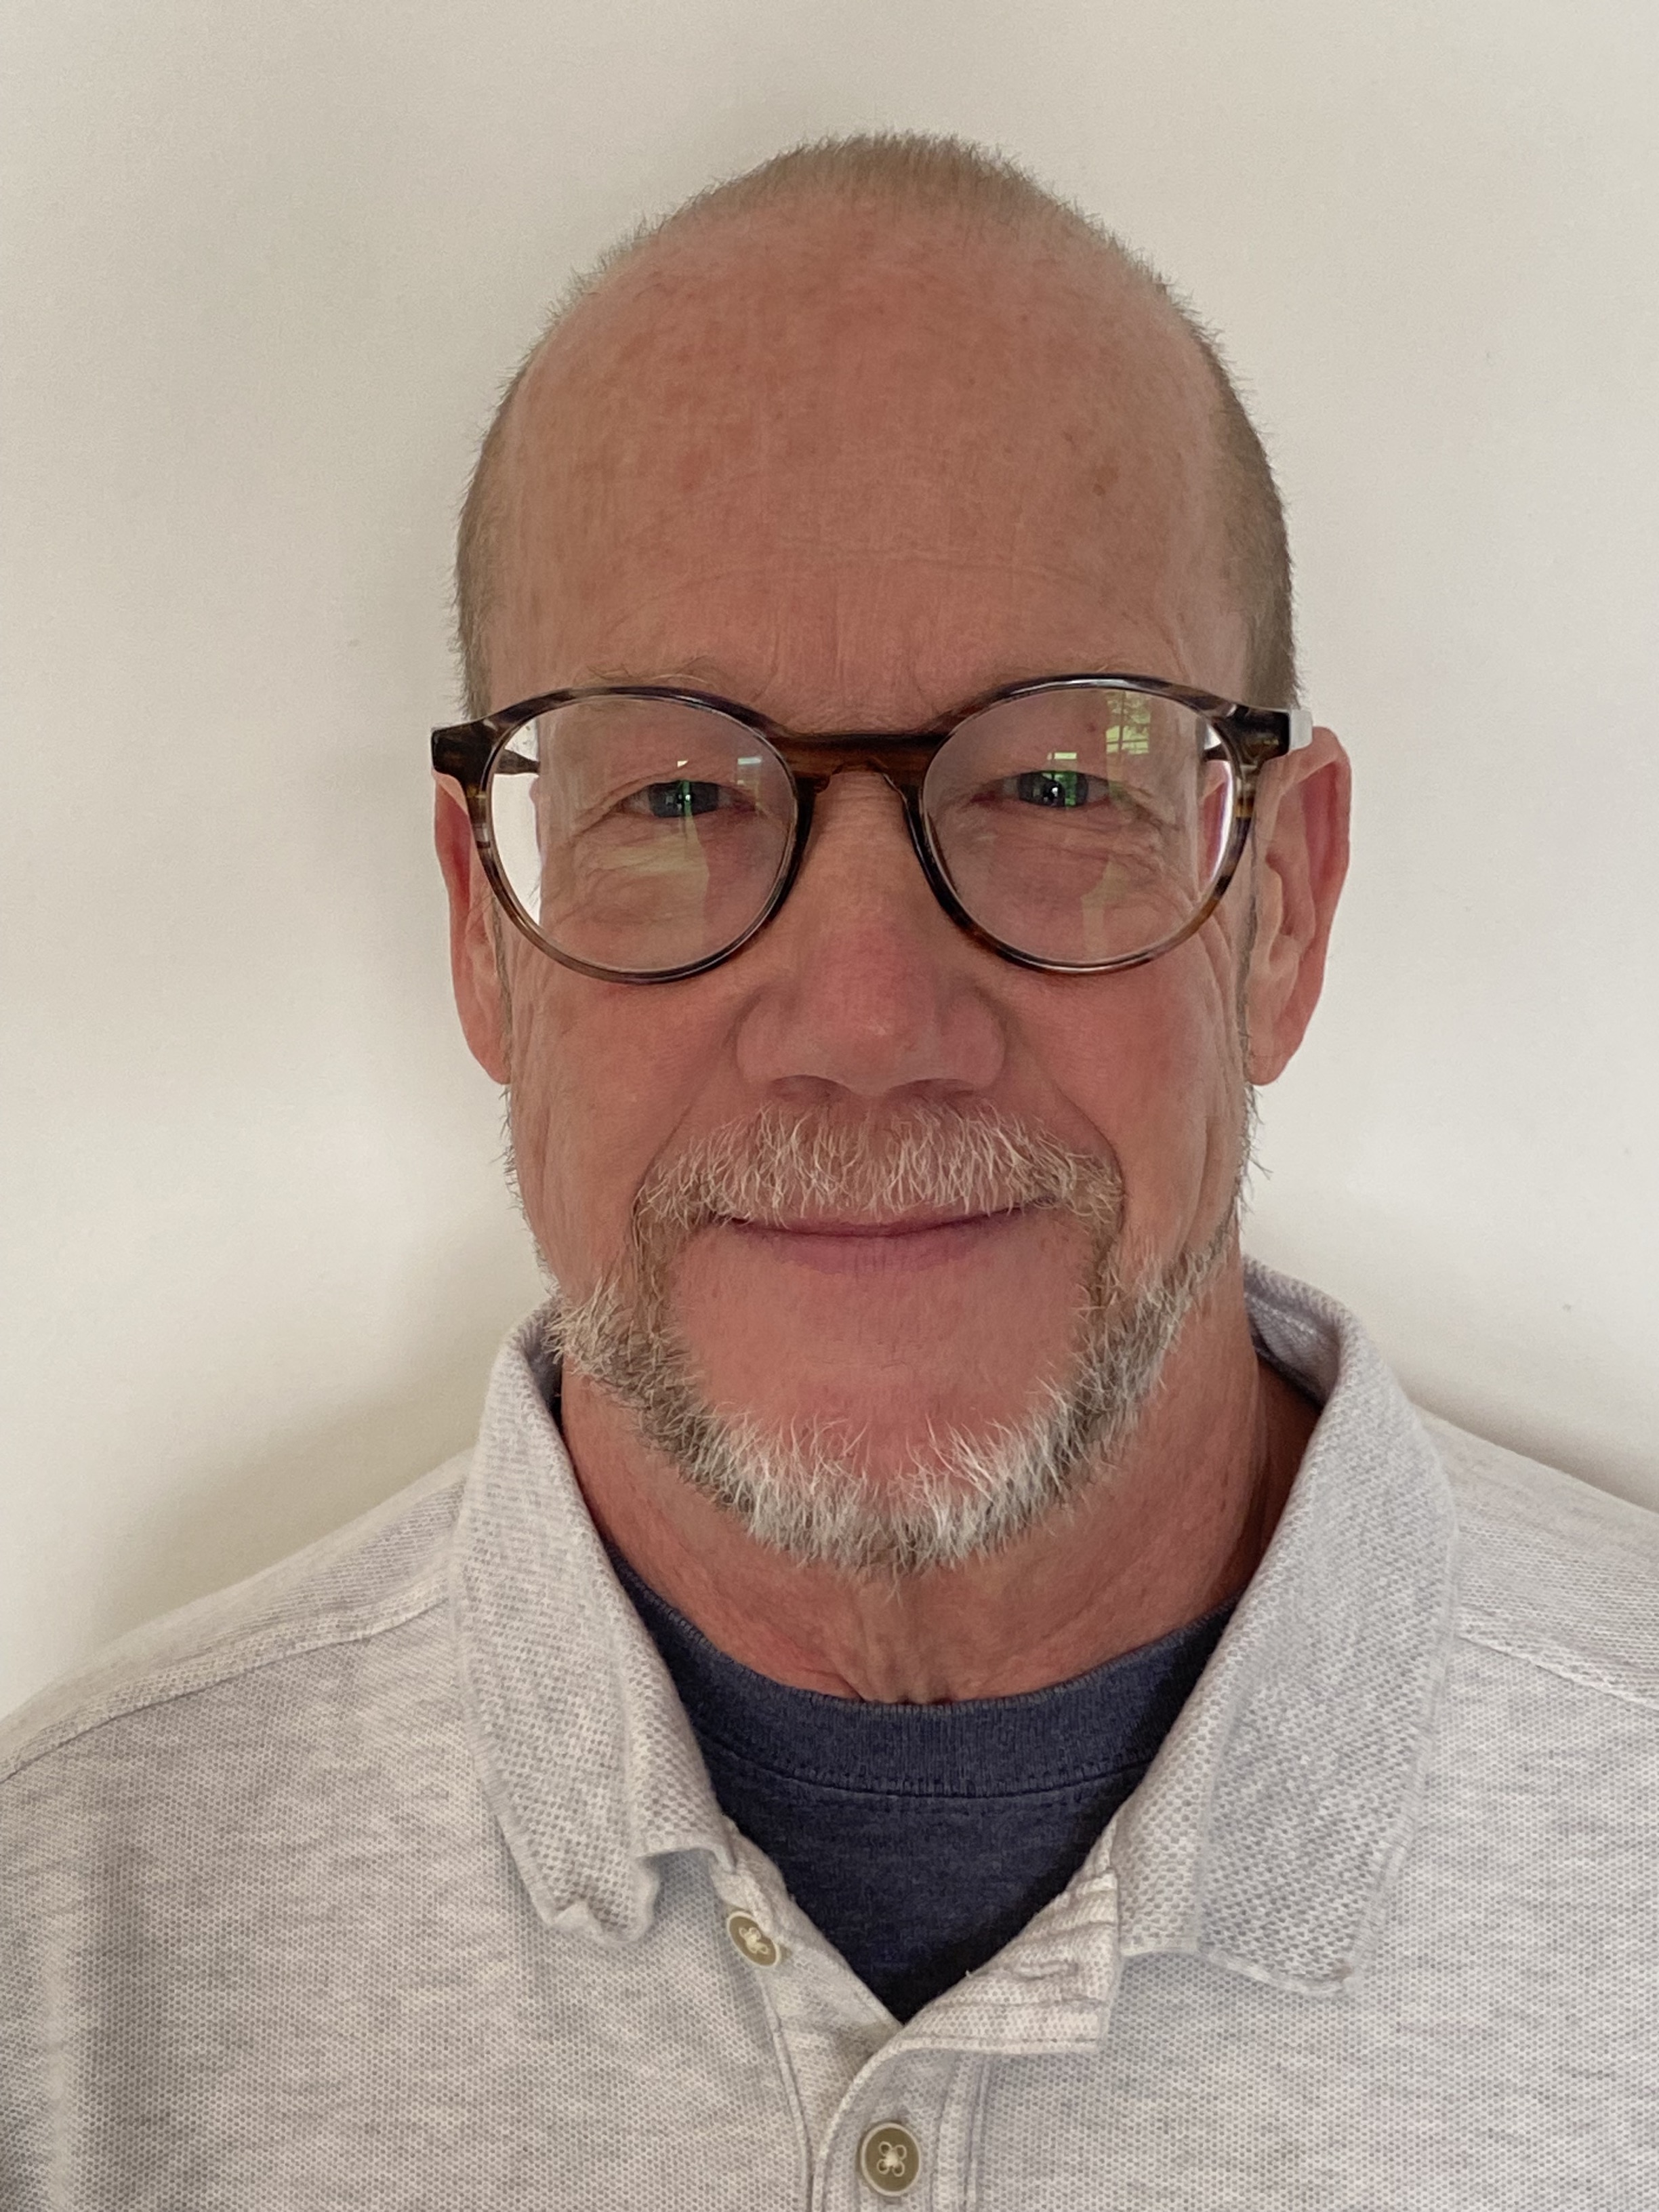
(679, 800)
(1067, 787)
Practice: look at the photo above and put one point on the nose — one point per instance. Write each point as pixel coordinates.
(862, 985)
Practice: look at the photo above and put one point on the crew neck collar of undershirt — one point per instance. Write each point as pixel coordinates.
(1107, 1721)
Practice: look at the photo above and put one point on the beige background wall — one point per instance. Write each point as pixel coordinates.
(264, 265)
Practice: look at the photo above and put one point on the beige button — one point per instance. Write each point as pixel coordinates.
(890, 2158)
(752, 1940)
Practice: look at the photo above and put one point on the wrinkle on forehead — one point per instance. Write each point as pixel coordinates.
(819, 389)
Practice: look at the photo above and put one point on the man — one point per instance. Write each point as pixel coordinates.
(933, 1685)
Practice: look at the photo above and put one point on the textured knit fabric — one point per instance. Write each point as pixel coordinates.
(393, 1879)
(920, 1838)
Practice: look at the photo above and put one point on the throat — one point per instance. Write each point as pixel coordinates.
(919, 1839)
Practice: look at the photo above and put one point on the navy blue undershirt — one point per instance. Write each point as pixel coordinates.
(920, 1838)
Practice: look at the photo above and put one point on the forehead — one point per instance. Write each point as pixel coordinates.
(817, 447)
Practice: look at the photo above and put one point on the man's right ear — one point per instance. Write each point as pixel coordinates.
(473, 966)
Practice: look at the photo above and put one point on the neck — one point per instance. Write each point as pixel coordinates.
(1175, 1528)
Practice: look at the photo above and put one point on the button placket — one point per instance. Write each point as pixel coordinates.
(903, 2135)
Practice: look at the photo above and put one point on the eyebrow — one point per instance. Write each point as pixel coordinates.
(692, 674)
(695, 673)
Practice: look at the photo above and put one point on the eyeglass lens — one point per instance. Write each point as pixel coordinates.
(1078, 826)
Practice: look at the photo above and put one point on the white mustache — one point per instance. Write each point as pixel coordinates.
(930, 1158)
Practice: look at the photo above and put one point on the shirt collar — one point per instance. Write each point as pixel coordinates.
(1265, 1833)
(1261, 1838)
(587, 1755)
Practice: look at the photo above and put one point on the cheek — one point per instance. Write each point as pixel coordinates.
(603, 1074)
(1150, 1059)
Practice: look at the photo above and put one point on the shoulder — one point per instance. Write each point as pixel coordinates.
(1553, 1572)
(371, 1576)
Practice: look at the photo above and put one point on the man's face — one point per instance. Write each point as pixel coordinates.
(853, 474)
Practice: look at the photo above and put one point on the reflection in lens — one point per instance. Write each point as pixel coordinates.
(1081, 825)
(641, 834)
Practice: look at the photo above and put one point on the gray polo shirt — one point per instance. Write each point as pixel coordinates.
(392, 1878)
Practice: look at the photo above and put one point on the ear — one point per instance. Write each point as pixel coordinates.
(1301, 847)
(472, 963)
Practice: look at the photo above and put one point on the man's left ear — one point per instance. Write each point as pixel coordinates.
(1301, 840)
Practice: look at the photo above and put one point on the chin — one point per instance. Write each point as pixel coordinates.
(913, 1502)
(895, 1363)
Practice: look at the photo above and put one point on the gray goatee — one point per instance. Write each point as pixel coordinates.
(809, 1491)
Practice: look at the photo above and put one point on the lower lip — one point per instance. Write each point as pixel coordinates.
(881, 1251)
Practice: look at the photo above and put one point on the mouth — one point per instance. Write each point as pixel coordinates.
(852, 1246)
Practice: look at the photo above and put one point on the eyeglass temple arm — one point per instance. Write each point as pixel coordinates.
(462, 751)
(1268, 733)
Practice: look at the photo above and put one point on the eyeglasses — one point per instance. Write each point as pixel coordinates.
(639, 833)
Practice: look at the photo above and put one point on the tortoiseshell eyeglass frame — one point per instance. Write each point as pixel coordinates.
(1250, 737)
